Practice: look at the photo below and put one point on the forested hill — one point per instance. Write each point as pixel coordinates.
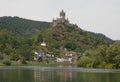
(73, 38)
(22, 26)
(25, 26)
(93, 49)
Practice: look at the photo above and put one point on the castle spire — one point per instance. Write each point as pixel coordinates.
(62, 14)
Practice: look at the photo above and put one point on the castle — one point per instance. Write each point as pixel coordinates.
(61, 20)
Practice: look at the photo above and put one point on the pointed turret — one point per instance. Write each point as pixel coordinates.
(62, 14)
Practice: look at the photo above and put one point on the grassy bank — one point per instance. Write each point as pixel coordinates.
(36, 63)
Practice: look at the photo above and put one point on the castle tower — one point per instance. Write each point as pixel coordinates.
(62, 14)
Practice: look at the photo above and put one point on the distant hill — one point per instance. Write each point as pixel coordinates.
(104, 38)
(22, 26)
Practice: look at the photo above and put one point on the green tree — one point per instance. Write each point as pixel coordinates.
(70, 45)
(14, 56)
(1, 56)
(38, 38)
(84, 61)
(113, 54)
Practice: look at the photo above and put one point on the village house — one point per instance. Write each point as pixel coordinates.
(69, 57)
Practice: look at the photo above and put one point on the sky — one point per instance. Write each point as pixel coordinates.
(99, 16)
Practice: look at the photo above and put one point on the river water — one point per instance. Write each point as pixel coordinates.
(57, 74)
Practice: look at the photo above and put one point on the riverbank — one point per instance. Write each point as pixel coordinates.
(36, 63)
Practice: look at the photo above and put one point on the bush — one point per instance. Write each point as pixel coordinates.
(110, 66)
(7, 62)
(1, 57)
(70, 45)
(23, 61)
(84, 61)
(102, 65)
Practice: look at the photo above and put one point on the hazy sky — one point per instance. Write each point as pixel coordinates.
(100, 16)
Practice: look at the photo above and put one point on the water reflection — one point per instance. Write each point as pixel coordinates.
(16, 75)
(42, 76)
(54, 76)
(76, 75)
(57, 74)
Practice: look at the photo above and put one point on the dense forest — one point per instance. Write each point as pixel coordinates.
(19, 38)
(22, 26)
(101, 57)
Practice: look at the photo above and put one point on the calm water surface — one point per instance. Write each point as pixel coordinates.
(57, 74)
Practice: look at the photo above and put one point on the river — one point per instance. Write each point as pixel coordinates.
(57, 74)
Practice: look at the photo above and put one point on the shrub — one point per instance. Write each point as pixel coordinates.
(110, 66)
(1, 57)
(7, 62)
(23, 61)
(84, 61)
(70, 45)
(102, 65)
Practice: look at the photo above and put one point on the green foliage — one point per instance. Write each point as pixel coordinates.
(117, 61)
(38, 38)
(15, 45)
(25, 51)
(1, 56)
(56, 52)
(110, 66)
(14, 57)
(113, 54)
(102, 57)
(56, 45)
(84, 61)
(6, 62)
(23, 61)
(22, 26)
(70, 45)
(97, 61)
(20, 37)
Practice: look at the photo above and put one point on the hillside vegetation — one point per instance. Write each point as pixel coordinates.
(22, 26)
(73, 38)
(19, 38)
